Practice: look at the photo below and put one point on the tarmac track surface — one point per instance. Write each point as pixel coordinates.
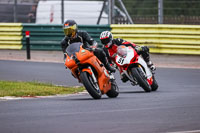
(174, 107)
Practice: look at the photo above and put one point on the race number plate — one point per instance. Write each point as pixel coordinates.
(120, 60)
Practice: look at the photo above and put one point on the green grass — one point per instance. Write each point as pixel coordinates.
(20, 89)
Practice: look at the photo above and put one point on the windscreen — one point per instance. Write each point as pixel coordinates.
(73, 48)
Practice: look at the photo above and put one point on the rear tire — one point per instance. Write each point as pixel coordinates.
(141, 79)
(114, 92)
(154, 86)
(90, 85)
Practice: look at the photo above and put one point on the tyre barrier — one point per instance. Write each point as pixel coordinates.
(161, 38)
(164, 39)
(48, 37)
(10, 35)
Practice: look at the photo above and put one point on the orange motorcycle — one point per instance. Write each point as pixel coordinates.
(89, 70)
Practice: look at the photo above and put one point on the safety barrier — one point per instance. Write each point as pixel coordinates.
(10, 35)
(169, 39)
(43, 37)
(48, 37)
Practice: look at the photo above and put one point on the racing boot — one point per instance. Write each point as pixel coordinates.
(123, 77)
(151, 66)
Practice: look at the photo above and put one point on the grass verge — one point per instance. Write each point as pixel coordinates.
(23, 89)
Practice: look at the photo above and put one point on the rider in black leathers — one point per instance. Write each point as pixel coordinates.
(73, 35)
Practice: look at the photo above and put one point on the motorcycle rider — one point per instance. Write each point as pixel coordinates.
(72, 34)
(111, 45)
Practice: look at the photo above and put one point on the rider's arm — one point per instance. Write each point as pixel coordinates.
(64, 44)
(139, 49)
(87, 39)
(107, 55)
(119, 42)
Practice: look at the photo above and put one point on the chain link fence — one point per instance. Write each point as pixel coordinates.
(174, 11)
(18, 11)
(140, 11)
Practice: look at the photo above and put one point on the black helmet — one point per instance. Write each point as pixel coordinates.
(70, 28)
(106, 38)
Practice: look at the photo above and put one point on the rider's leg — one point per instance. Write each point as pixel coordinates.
(100, 54)
(144, 51)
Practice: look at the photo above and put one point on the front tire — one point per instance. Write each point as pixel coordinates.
(154, 86)
(138, 74)
(114, 92)
(90, 85)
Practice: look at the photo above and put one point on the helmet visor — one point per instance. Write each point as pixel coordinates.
(105, 41)
(70, 30)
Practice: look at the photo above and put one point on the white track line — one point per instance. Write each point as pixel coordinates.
(192, 131)
(35, 97)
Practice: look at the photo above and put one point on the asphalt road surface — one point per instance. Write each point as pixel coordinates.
(174, 107)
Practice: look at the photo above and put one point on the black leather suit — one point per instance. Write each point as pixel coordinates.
(87, 41)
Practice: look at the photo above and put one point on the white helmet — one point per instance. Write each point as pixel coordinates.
(106, 38)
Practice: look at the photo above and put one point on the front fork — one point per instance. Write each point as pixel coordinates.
(130, 77)
(90, 71)
(134, 81)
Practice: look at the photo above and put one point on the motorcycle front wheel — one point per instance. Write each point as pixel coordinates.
(90, 85)
(154, 86)
(138, 74)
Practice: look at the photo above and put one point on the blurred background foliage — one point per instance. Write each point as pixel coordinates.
(174, 11)
(171, 7)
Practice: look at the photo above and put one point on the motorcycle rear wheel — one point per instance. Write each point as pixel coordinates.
(114, 92)
(138, 74)
(90, 85)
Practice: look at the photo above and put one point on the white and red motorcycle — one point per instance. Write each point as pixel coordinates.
(133, 68)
